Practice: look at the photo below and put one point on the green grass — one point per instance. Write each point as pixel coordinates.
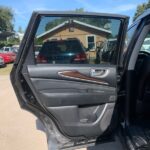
(6, 70)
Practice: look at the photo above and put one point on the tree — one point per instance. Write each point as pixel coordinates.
(148, 4)
(140, 9)
(13, 41)
(20, 29)
(79, 10)
(6, 19)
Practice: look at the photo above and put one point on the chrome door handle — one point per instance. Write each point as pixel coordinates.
(99, 73)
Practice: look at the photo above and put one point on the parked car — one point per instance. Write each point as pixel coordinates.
(62, 51)
(2, 63)
(7, 49)
(83, 104)
(37, 49)
(12, 55)
(7, 58)
(15, 49)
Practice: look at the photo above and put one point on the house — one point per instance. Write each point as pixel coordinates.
(89, 35)
(19, 36)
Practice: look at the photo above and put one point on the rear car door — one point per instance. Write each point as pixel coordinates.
(73, 94)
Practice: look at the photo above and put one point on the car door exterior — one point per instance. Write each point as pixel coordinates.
(73, 95)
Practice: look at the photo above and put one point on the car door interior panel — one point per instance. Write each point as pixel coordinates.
(84, 123)
(87, 106)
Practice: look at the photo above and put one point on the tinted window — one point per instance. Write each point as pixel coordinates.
(146, 44)
(69, 40)
(91, 42)
(7, 49)
(130, 34)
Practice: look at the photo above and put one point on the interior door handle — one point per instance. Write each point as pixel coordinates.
(99, 73)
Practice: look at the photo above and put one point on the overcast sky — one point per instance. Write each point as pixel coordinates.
(23, 8)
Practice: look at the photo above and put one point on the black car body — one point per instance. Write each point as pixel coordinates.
(84, 104)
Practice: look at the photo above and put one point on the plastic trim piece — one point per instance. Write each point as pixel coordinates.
(79, 76)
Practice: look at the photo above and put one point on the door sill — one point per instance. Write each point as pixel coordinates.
(138, 137)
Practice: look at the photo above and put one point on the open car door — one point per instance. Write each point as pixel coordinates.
(61, 77)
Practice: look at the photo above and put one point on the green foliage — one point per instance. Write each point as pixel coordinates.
(148, 4)
(6, 24)
(9, 42)
(3, 43)
(6, 19)
(20, 29)
(79, 10)
(141, 8)
(13, 41)
(38, 41)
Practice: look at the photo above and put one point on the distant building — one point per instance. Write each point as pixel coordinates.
(88, 34)
(19, 35)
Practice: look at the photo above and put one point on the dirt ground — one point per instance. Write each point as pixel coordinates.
(6, 70)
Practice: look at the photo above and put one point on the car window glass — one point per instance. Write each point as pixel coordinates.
(129, 36)
(7, 49)
(74, 40)
(91, 41)
(146, 44)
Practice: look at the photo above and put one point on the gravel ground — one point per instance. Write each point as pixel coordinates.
(6, 70)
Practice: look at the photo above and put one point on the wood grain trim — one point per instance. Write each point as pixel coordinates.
(79, 76)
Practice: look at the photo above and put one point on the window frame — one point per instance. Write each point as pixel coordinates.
(28, 39)
(141, 35)
(126, 56)
(87, 43)
(148, 39)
